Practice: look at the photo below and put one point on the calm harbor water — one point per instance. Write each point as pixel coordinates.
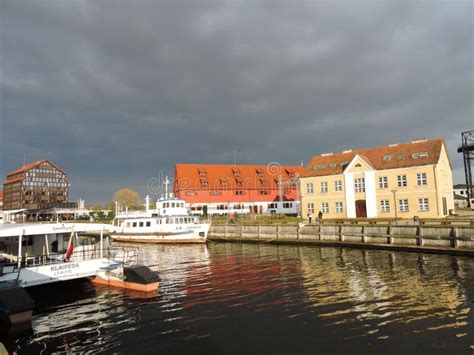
(249, 298)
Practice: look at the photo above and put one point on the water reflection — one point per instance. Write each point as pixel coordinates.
(234, 298)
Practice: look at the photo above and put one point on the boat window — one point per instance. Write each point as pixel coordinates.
(141, 224)
(128, 224)
(134, 224)
(181, 220)
(148, 224)
(172, 204)
(168, 220)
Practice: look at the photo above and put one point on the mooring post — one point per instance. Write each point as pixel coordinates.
(454, 233)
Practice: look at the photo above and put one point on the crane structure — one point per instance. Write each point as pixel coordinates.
(467, 150)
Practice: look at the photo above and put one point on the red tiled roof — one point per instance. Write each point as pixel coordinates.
(11, 181)
(34, 165)
(236, 177)
(401, 156)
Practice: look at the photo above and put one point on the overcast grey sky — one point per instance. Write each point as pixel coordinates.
(117, 91)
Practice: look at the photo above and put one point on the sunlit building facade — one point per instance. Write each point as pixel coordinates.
(38, 185)
(394, 181)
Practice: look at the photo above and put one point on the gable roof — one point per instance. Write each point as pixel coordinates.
(393, 156)
(34, 165)
(223, 177)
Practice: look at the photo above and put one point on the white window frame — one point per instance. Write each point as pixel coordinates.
(310, 188)
(339, 207)
(383, 182)
(324, 186)
(423, 204)
(338, 185)
(325, 207)
(359, 185)
(310, 207)
(421, 179)
(384, 206)
(403, 205)
(402, 180)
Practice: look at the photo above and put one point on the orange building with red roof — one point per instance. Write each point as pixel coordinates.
(393, 181)
(223, 189)
(1, 200)
(37, 185)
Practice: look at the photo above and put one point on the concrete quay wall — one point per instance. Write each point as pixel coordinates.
(434, 239)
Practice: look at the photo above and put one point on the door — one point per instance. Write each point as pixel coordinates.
(361, 210)
(445, 206)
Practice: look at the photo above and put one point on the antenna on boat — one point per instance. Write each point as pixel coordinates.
(166, 183)
(147, 202)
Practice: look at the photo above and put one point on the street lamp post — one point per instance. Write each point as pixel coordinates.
(395, 205)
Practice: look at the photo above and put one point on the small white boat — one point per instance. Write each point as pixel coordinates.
(169, 222)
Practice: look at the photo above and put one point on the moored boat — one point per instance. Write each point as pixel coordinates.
(42, 253)
(169, 222)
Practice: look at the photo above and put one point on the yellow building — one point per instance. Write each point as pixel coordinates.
(394, 181)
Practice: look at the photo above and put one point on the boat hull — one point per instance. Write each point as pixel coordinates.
(184, 238)
(151, 287)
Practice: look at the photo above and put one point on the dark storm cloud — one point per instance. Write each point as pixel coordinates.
(117, 91)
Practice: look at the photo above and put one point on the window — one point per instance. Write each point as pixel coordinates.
(238, 192)
(402, 180)
(403, 205)
(310, 188)
(141, 224)
(148, 224)
(134, 224)
(386, 158)
(384, 206)
(325, 207)
(310, 207)
(339, 208)
(338, 185)
(383, 182)
(324, 186)
(423, 204)
(359, 185)
(421, 179)
(263, 192)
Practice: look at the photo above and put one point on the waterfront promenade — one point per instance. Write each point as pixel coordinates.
(449, 239)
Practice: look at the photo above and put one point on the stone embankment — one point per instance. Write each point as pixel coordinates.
(435, 239)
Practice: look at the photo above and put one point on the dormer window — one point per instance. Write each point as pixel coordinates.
(386, 158)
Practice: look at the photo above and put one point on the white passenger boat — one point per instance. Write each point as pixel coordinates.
(169, 222)
(41, 253)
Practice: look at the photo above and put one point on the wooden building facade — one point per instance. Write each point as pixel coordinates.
(35, 186)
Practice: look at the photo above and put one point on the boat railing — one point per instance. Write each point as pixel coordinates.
(126, 256)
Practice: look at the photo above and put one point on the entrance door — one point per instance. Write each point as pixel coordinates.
(361, 210)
